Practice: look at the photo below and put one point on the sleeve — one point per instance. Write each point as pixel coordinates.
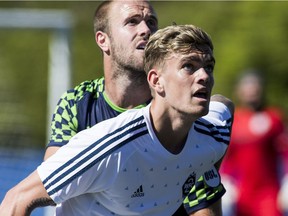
(64, 120)
(202, 195)
(80, 167)
(218, 110)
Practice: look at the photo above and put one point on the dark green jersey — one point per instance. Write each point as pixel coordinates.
(81, 108)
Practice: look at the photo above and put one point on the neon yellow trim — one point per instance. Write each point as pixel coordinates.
(117, 108)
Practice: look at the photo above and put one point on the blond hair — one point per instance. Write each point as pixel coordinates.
(174, 39)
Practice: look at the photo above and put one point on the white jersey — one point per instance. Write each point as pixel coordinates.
(119, 167)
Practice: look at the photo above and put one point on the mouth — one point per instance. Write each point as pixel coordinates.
(201, 93)
(141, 45)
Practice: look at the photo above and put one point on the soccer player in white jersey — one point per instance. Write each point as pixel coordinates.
(145, 161)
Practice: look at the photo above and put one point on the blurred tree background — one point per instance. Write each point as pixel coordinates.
(245, 34)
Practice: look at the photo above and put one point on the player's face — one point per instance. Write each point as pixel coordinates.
(188, 81)
(131, 24)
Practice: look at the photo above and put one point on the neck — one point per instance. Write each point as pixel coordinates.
(170, 127)
(255, 107)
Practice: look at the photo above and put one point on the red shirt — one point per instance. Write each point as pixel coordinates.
(252, 157)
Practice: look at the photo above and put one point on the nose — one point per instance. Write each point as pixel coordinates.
(144, 29)
(203, 77)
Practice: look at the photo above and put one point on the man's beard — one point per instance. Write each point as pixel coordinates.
(129, 66)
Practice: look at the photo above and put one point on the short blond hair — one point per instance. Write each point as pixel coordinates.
(174, 39)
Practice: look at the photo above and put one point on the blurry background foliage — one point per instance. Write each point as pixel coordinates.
(245, 34)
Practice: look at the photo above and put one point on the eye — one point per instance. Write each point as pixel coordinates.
(209, 68)
(152, 23)
(188, 67)
(132, 21)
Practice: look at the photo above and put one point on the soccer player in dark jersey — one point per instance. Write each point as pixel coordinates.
(121, 31)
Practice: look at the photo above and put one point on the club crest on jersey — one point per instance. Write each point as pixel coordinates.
(189, 183)
(212, 177)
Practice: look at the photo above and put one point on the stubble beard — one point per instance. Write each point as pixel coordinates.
(126, 65)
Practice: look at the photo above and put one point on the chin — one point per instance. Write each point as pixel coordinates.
(203, 111)
(206, 112)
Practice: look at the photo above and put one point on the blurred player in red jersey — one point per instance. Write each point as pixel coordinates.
(251, 164)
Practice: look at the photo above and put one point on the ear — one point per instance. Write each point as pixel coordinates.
(154, 81)
(102, 41)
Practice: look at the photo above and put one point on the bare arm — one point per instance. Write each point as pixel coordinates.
(214, 210)
(50, 151)
(24, 197)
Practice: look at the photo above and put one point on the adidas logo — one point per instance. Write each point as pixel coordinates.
(138, 193)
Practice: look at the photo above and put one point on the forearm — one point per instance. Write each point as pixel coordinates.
(24, 197)
(15, 207)
(39, 202)
(213, 210)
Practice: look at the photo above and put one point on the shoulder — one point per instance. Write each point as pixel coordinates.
(218, 122)
(128, 119)
(90, 86)
(275, 112)
(224, 100)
